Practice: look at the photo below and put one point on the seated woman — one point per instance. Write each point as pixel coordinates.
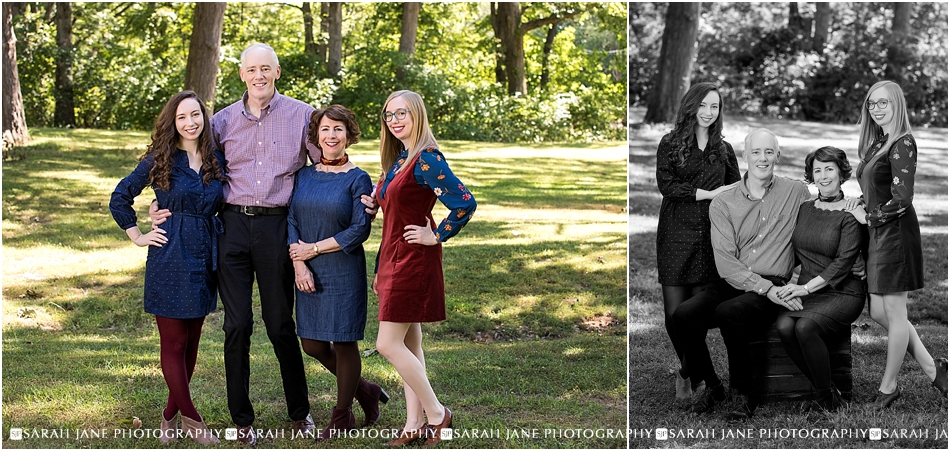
(827, 241)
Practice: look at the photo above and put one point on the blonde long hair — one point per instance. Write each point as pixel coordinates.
(870, 130)
(420, 136)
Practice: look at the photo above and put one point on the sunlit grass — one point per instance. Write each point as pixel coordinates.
(545, 253)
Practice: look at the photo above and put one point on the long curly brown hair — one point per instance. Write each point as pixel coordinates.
(684, 130)
(165, 139)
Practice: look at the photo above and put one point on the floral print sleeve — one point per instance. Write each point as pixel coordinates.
(903, 161)
(433, 171)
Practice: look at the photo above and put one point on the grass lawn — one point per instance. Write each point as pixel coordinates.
(920, 412)
(534, 341)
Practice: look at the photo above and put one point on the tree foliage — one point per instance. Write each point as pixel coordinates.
(766, 67)
(130, 57)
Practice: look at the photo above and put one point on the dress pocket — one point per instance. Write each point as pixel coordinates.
(409, 267)
(888, 243)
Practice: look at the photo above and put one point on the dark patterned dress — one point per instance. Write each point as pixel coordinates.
(684, 253)
(895, 257)
(180, 277)
(827, 243)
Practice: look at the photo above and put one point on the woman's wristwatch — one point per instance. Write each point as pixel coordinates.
(316, 250)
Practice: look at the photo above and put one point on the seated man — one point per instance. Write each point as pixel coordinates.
(752, 225)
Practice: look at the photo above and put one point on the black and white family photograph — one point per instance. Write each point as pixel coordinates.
(788, 225)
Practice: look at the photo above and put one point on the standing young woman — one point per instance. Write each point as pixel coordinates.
(187, 175)
(693, 165)
(895, 259)
(409, 279)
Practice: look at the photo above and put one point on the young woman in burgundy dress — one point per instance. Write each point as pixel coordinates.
(409, 279)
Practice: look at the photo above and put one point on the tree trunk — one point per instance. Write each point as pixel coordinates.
(510, 31)
(407, 37)
(822, 24)
(794, 17)
(309, 46)
(15, 132)
(677, 54)
(512, 45)
(201, 73)
(902, 13)
(546, 54)
(335, 41)
(899, 56)
(499, 53)
(324, 31)
(410, 27)
(64, 114)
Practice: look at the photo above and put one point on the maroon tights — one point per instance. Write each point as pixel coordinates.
(179, 341)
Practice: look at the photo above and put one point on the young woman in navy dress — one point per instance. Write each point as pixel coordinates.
(693, 164)
(327, 225)
(409, 279)
(186, 175)
(895, 256)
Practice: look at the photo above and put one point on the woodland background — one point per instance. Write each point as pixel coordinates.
(529, 72)
(794, 60)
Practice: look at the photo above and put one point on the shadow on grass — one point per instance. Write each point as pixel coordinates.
(543, 288)
(62, 197)
(516, 287)
(537, 182)
(100, 380)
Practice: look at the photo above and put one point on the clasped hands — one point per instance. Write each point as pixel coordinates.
(788, 296)
(301, 251)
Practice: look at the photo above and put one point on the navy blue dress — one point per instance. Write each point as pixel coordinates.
(324, 205)
(180, 279)
(684, 253)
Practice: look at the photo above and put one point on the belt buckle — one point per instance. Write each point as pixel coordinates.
(246, 209)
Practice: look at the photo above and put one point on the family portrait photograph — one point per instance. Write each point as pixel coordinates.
(314, 225)
(475, 225)
(788, 225)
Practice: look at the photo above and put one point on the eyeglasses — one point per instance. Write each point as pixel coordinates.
(881, 104)
(399, 114)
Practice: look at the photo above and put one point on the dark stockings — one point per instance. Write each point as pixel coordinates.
(179, 352)
(804, 341)
(673, 296)
(342, 359)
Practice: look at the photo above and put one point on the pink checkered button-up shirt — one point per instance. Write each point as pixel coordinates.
(263, 154)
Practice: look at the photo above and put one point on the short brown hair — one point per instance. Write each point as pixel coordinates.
(828, 154)
(337, 113)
